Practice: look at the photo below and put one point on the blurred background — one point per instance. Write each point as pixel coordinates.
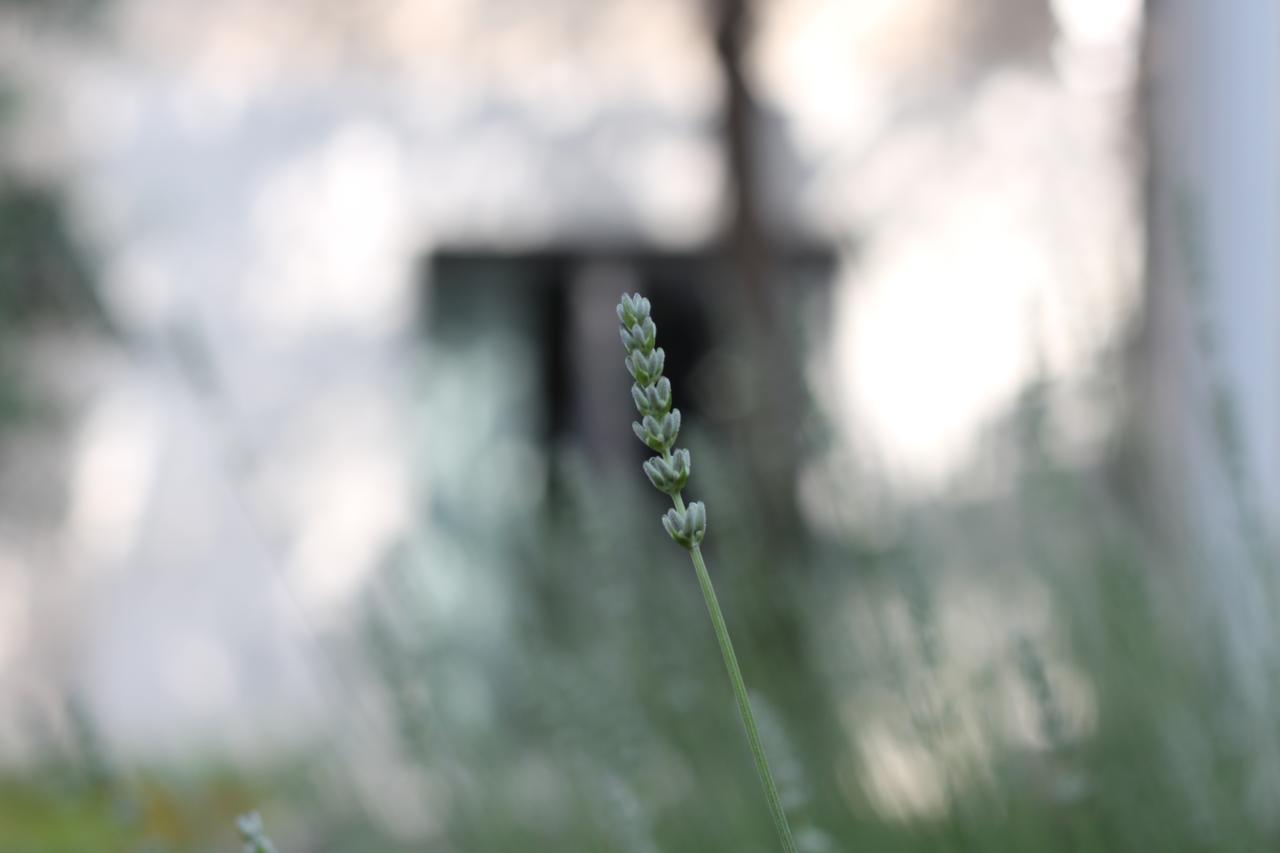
(317, 488)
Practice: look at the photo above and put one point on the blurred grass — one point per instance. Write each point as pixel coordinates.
(59, 807)
(1008, 664)
(597, 719)
(569, 695)
(1018, 668)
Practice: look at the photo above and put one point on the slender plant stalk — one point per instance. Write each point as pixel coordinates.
(744, 704)
(658, 428)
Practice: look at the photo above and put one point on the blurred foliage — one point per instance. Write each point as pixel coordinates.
(76, 799)
(1021, 669)
(45, 273)
(553, 684)
(44, 279)
(584, 708)
(64, 812)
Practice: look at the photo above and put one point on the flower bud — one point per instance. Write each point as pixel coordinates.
(669, 475)
(646, 367)
(641, 336)
(632, 309)
(687, 527)
(654, 400)
(659, 433)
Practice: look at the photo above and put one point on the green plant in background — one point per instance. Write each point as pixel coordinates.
(658, 427)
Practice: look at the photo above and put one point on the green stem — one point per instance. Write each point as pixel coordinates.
(740, 694)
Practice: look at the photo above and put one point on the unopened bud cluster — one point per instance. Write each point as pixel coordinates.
(254, 834)
(687, 527)
(659, 423)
